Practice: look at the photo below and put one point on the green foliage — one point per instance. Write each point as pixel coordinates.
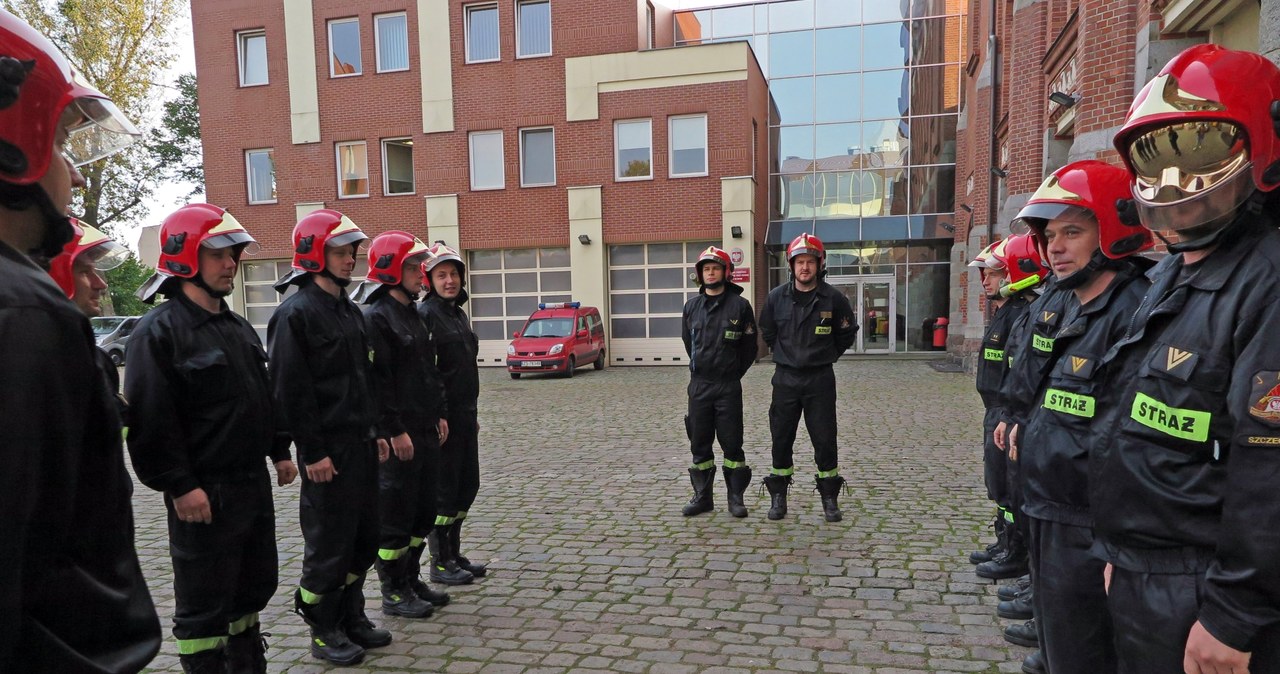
(123, 282)
(175, 145)
(637, 168)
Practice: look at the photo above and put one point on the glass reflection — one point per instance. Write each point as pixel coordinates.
(929, 41)
(884, 46)
(933, 140)
(839, 140)
(791, 54)
(838, 49)
(884, 94)
(935, 90)
(794, 99)
(691, 27)
(933, 189)
(837, 13)
(794, 15)
(732, 21)
(838, 97)
(794, 143)
(884, 10)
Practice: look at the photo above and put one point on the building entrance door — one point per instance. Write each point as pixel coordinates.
(874, 300)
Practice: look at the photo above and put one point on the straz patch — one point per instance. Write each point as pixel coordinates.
(1180, 423)
(1042, 343)
(822, 330)
(993, 354)
(732, 335)
(1066, 402)
(1265, 397)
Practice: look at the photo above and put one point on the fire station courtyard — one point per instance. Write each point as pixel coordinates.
(593, 569)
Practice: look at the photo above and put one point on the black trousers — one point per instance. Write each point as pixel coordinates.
(1153, 613)
(458, 477)
(715, 412)
(340, 520)
(406, 493)
(1020, 533)
(811, 391)
(994, 463)
(227, 569)
(1070, 601)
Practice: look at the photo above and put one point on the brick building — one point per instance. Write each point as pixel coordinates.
(1092, 56)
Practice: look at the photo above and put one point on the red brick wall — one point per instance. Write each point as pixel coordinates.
(1105, 55)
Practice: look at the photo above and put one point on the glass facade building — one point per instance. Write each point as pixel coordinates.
(865, 100)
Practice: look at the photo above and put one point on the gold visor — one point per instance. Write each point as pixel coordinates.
(1176, 161)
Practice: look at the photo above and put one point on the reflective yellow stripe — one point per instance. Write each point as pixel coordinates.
(193, 646)
(388, 554)
(782, 471)
(1180, 423)
(730, 463)
(705, 465)
(1069, 403)
(308, 597)
(1042, 343)
(239, 626)
(829, 473)
(993, 354)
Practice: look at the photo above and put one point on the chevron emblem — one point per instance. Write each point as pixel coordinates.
(1077, 362)
(1048, 315)
(1176, 357)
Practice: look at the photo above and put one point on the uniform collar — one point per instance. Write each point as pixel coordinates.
(1211, 273)
(1103, 300)
(314, 288)
(198, 314)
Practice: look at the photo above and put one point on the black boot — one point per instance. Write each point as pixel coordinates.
(702, 480)
(993, 550)
(735, 482)
(1015, 589)
(213, 661)
(1034, 663)
(359, 628)
(420, 588)
(829, 489)
(1010, 564)
(1018, 609)
(444, 570)
(398, 598)
(777, 486)
(1023, 634)
(328, 641)
(247, 652)
(455, 539)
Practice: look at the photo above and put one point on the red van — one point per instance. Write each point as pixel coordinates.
(559, 338)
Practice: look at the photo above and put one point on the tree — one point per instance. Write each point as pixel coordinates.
(122, 282)
(175, 144)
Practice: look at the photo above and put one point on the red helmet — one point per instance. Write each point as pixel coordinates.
(807, 244)
(183, 234)
(985, 259)
(1202, 130)
(390, 252)
(37, 86)
(98, 248)
(716, 255)
(1087, 189)
(315, 232)
(441, 253)
(1019, 255)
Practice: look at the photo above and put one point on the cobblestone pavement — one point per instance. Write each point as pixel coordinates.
(595, 570)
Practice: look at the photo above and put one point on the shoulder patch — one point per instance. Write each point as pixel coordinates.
(1265, 397)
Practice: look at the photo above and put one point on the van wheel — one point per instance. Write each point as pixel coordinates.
(515, 375)
(117, 358)
(599, 364)
(568, 370)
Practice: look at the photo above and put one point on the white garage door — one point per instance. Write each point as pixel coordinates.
(506, 286)
(648, 286)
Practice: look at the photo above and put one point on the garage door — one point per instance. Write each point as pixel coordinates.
(648, 286)
(506, 286)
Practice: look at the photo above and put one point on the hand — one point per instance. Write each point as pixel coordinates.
(286, 471)
(384, 450)
(403, 447)
(1206, 655)
(1106, 578)
(1013, 443)
(477, 425)
(193, 506)
(998, 435)
(322, 470)
(442, 430)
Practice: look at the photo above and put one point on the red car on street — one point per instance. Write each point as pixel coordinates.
(558, 338)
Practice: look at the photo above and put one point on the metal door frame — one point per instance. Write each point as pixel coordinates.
(859, 283)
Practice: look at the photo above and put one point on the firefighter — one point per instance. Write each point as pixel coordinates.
(991, 370)
(72, 595)
(808, 324)
(1184, 464)
(202, 425)
(412, 419)
(320, 372)
(1077, 228)
(458, 476)
(719, 332)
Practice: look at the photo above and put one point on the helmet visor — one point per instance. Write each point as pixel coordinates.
(106, 255)
(1173, 162)
(220, 241)
(346, 239)
(101, 131)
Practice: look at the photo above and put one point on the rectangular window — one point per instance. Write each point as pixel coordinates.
(651, 23)
(260, 169)
(252, 46)
(353, 169)
(397, 166)
(688, 140)
(533, 28)
(633, 149)
(344, 47)
(482, 33)
(486, 160)
(537, 157)
(391, 39)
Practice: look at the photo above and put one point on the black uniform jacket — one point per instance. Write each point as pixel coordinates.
(1185, 472)
(992, 363)
(456, 348)
(406, 383)
(200, 398)
(719, 333)
(807, 329)
(72, 596)
(1029, 353)
(320, 372)
(1054, 445)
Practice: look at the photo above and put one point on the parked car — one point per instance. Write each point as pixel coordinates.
(557, 338)
(112, 333)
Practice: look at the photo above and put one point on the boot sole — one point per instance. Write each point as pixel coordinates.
(315, 653)
(1033, 670)
(1019, 641)
(452, 583)
(692, 513)
(777, 517)
(1010, 595)
(996, 575)
(979, 558)
(393, 611)
(835, 518)
(740, 513)
(1013, 615)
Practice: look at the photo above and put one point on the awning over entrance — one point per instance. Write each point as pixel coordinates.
(839, 231)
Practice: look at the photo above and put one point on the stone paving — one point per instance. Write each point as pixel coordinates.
(595, 570)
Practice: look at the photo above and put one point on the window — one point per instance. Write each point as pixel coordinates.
(391, 39)
(344, 47)
(486, 160)
(353, 170)
(252, 46)
(482, 34)
(651, 23)
(633, 150)
(397, 166)
(260, 168)
(533, 28)
(688, 141)
(537, 157)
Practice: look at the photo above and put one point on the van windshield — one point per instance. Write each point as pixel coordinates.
(548, 327)
(104, 325)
